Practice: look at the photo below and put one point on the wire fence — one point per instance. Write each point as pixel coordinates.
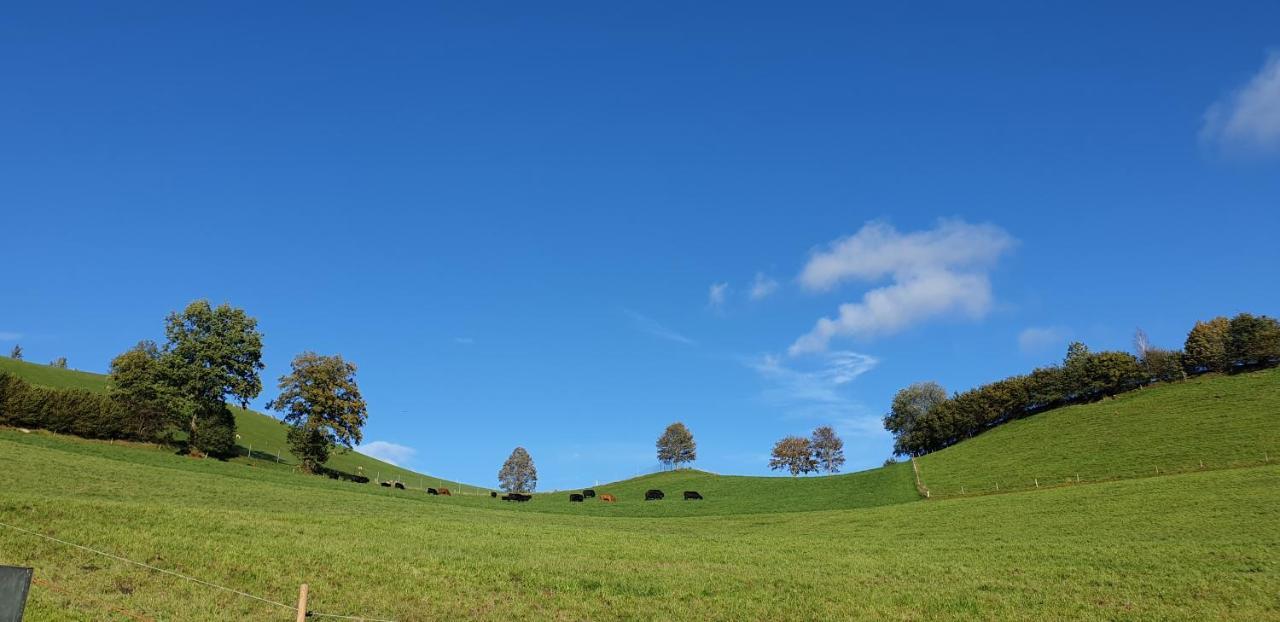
(185, 577)
(991, 483)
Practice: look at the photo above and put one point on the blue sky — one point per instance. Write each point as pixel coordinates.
(565, 227)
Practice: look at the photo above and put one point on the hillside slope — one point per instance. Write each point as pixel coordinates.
(264, 434)
(736, 494)
(1208, 422)
(1188, 547)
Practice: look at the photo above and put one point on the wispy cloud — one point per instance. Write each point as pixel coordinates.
(716, 295)
(466, 341)
(763, 286)
(655, 328)
(10, 336)
(818, 391)
(936, 272)
(1248, 120)
(399, 455)
(1037, 339)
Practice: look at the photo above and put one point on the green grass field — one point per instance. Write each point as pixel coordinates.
(1197, 545)
(263, 434)
(1217, 421)
(1186, 547)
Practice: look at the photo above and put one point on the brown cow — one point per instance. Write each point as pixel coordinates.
(443, 491)
(607, 498)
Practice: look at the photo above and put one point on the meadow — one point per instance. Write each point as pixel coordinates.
(1185, 547)
(1191, 545)
(262, 434)
(1207, 422)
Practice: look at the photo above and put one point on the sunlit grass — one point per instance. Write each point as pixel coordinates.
(1189, 547)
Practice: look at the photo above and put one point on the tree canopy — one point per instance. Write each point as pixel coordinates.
(910, 406)
(828, 449)
(212, 354)
(518, 473)
(137, 383)
(793, 454)
(319, 398)
(676, 446)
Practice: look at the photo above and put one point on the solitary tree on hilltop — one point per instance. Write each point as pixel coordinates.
(60, 362)
(212, 354)
(828, 449)
(518, 473)
(321, 402)
(676, 445)
(793, 454)
(16, 352)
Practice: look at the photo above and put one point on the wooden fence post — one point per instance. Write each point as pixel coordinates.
(302, 603)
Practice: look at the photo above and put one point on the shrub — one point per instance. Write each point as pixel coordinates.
(1164, 365)
(1253, 341)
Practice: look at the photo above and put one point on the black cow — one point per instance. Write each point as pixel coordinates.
(493, 495)
(589, 493)
(432, 491)
(653, 495)
(399, 485)
(387, 484)
(575, 497)
(690, 495)
(515, 496)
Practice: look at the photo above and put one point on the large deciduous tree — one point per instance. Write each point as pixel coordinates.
(1253, 341)
(137, 384)
(676, 446)
(793, 454)
(321, 402)
(16, 352)
(212, 354)
(518, 473)
(910, 407)
(828, 449)
(1206, 346)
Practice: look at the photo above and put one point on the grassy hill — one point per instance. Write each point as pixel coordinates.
(263, 434)
(735, 494)
(1187, 547)
(1191, 545)
(1214, 421)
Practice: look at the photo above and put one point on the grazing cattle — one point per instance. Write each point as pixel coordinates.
(444, 492)
(432, 491)
(399, 485)
(607, 498)
(692, 495)
(515, 496)
(575, 497)
(588, 493)
(653, 495)
(387, 484)
(493, 495)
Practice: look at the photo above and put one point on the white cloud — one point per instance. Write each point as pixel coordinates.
(5, 336)
(716, 294)
(818, 391)
(392, 453)
(1248, 120)
(819, 384)
(1037, 339)
(763, 286)
(653, 327)
(940, 271)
